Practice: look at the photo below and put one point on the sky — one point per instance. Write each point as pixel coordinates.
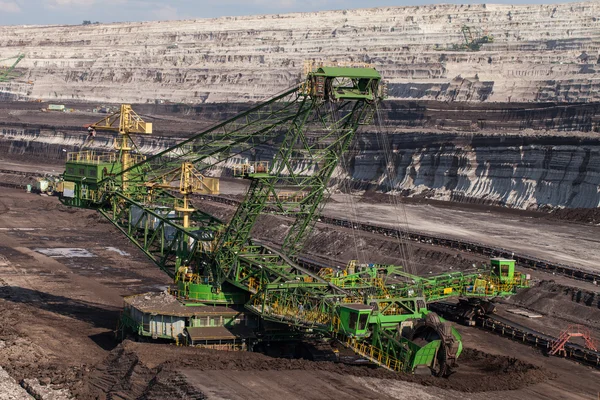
(73, 12)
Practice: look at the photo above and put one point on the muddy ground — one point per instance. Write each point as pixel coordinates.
(58, 311)
(533, 233)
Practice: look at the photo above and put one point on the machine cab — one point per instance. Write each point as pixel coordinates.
(354, 318)
(503, 269)
(251, 169)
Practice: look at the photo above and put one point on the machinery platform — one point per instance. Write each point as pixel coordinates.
(161, 315)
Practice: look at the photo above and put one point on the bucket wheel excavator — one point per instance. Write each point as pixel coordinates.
(231, 291)
(7, 74)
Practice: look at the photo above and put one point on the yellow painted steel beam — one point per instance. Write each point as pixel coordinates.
(124, 121)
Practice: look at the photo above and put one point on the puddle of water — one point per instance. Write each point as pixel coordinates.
(67, 252)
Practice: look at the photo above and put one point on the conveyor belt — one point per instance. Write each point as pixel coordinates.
(23, 173)
(12, 185)
(302, 266)
(20, 173)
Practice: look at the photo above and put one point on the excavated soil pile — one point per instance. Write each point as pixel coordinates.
(479, 372)
(134, 370)
(584, 215)
(24, 359)
(128, 373)
(565, 302)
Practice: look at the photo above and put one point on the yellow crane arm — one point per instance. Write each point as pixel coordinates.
(186, 179)
(124, 121)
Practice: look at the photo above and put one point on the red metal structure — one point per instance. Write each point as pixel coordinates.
(558, 346)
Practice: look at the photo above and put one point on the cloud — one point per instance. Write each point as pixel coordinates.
(69, 3)
(9, 7)
(274, 4)
(15, 12)
(166, 13)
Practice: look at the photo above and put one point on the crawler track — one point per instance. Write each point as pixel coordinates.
(523, 334)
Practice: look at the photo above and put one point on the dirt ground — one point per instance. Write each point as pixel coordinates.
(571, 244)
(63, 273)
(337, 246)
(536, 234)
(560, 306)
(168, 364)
(562, 301)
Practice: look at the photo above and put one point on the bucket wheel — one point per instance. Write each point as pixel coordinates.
(432, 328)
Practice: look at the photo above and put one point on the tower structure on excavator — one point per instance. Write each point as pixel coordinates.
(232, 291)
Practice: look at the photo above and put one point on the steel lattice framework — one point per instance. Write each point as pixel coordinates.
(310, 132)
(310, 127)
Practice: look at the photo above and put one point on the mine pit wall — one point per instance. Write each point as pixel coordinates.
(516, 171)
(520, 155)
(539, 53)
(51, 145)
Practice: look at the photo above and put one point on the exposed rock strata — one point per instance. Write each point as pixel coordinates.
(540, 53)
(542, 156)
(515, 171)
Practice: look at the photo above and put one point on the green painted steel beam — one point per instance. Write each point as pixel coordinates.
(348, 72)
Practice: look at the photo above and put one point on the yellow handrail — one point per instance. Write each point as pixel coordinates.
(374, 354)
(92, 157)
